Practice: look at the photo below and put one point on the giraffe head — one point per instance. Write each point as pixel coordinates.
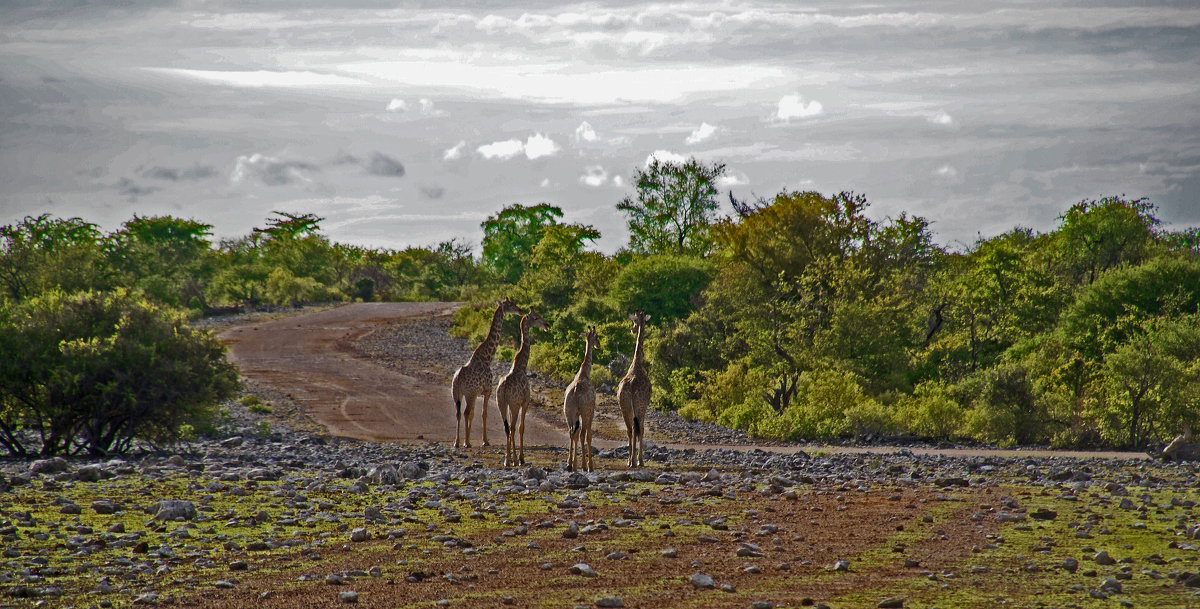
(533, 320)
(639, 320)
(507, 306)
(592, 338)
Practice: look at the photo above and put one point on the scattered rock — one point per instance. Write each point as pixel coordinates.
(701, 580)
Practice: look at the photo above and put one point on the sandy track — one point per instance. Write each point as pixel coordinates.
(309, 358)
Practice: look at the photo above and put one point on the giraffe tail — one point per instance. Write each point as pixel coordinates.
(458, 409)
(576, 426)
(506, 427)
(637, 426)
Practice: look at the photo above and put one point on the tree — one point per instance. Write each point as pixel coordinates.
(510, 236)
(1100, 235)
(664, 286)
(93, 372)
(170, 259)
(43, 253)
(673, 208)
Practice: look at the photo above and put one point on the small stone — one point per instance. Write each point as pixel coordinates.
(701, 580)
(609, 601)
(1102, 558)
(360, 534)
(334, 579)
(841, 565)
(670, 553)
(1070, 565)
(583, 569)
(891, 602)
(572, 530)
(348, 596)
(761, 605)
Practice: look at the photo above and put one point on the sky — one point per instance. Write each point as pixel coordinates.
(406, 124)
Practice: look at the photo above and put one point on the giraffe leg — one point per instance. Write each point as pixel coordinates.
(457, 423)
(470, 414)
(587, 452)
(521, 459)
(485, 402)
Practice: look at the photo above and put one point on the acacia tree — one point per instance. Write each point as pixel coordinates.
(1099, 235)
(168, 258)
(673, 207)
(510, 236)
(42, 253)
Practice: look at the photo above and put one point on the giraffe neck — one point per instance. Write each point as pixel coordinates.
(521, 359)
(638, 357)
(486, 351)
(585, 369)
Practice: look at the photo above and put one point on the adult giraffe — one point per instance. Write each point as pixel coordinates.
(579, 406)
(475, 377)
(633, 394)
(512, 394)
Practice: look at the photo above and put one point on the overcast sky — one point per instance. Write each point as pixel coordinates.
(404, 124)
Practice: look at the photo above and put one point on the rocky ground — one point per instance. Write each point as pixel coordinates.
(271, 513)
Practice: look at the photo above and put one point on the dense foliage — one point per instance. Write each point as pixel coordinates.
(799, 316)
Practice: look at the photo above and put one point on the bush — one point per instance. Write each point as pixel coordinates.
(94, 372)
(663, 286)
(931, 413)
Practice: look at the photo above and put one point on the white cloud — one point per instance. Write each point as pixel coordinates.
(397, 105)
(270, 170)
(665, 156)
(454, 152)
(262, 78)
(945, 171)
(534, 147)
(545, 183)
(941, 118)
(730, 180)
(793, 106)
(703, 132)
(501, 150)
(538, 146)
(618, 181)
(594, 176)
(426, 106)
(585, 133)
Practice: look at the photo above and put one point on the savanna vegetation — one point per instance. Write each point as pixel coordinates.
(799, 316)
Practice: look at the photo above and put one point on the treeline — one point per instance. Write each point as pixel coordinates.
(801, 317)
(96, 350)
(798, 317)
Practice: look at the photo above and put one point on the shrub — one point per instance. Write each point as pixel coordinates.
(93, 372)
(930, 412)
(663, 286)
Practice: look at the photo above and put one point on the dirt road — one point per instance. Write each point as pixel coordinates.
(309, 358)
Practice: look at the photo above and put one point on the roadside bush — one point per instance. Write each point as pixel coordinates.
(94, 372)
(664, 286)
(931, 413)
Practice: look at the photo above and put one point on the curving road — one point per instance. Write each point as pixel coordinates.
(309, 358)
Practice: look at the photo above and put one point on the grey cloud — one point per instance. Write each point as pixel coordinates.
(171, 174)
(132, 190)
(271, 171)
(383, 165)
(432, 192)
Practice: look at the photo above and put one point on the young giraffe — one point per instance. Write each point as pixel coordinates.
(512, 394)
(475, 377)
(633, 394)
(579, 406)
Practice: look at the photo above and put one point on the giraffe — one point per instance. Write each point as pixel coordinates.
(512, 394)
(579, 405)
(633, 394)
(475, 377)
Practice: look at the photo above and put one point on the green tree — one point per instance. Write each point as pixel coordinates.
(665, 286)
(510, 236)
(168, 258)
(673, 207)
(43, 253)
(1099, 235)
(94, 372)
